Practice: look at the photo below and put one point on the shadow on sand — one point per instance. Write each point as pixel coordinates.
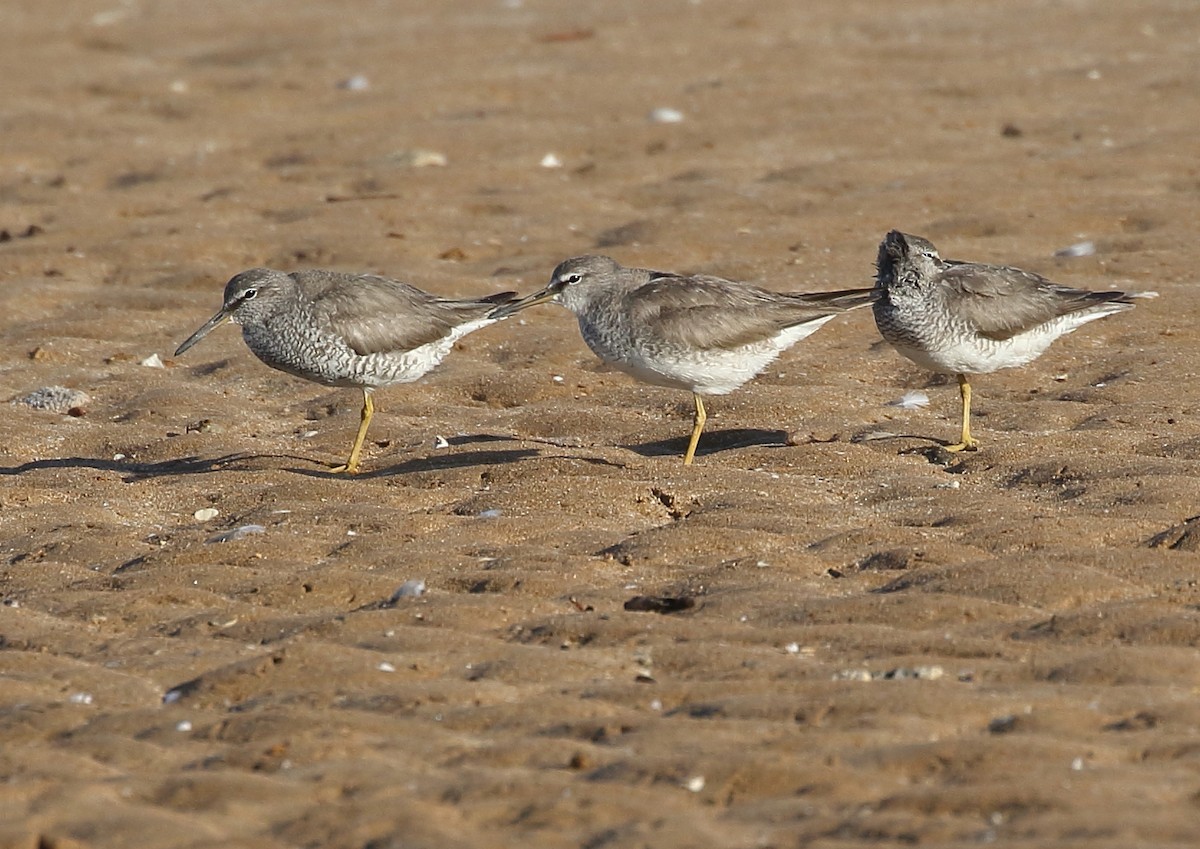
(713, 442)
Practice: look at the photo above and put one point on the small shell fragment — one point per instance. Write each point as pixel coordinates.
(236, 533)
(152, 361)
(206, 514)
(551, 160)
(421, 158)
(1077, 249)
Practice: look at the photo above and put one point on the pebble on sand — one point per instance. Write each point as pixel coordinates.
(923, 673)
(666, 115)
(56, 399)
(358, 82)
(413, 588)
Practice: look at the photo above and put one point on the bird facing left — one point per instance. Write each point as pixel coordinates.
(343, 329)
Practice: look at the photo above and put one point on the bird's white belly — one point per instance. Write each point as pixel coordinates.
(703, 372)
(712, 371)
(384, 369)
(979, 355)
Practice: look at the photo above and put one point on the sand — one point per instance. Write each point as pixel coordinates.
(840, 635)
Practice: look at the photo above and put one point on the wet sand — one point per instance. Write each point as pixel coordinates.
(864, 641)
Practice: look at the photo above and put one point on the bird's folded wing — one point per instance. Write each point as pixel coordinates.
(381, 315)
(1000, 302)
(707, 313)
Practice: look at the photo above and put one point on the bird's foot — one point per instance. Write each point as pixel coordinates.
(968, 445)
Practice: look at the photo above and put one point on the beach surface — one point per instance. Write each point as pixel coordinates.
(526, 623)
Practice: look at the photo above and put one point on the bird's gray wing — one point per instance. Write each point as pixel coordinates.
(378, 315)
(705, 312)
(1000, 301)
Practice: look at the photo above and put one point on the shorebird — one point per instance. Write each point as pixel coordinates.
(966, 318)
(340, 329)
(704, 334)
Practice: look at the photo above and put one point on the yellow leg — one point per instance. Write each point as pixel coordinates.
(966, 443)
(697, 426)
(350, 467)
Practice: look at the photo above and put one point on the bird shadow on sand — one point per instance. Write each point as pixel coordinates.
(714, 442)
(134, 471)
(445, 459)
(548, 447)
(489, 457)
(427, 463)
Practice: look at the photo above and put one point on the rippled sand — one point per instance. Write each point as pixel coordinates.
(872, 643)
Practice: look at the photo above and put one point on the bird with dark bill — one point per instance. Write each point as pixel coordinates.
(966, 318)
(341, 329)
(704, 334)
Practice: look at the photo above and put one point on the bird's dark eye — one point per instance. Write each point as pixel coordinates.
(249, 294)
(562, 281)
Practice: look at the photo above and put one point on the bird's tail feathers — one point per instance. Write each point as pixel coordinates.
(842, 299)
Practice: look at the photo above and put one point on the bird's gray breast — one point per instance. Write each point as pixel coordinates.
(294, 343)
(910, 317)
(606, 329)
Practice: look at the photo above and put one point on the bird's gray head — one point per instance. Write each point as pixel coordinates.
(250, 297)
(906, 261)
(580, 275)
(256, 293)
(574, 282)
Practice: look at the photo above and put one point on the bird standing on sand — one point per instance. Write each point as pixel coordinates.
(341, 329)
(967, 318)
(704, 334)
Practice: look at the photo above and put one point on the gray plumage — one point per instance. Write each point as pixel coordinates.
(701, 333)
(967, 318)
(341, 329)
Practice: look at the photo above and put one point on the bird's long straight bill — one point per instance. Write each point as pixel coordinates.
(505, 310)
(208, 327)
